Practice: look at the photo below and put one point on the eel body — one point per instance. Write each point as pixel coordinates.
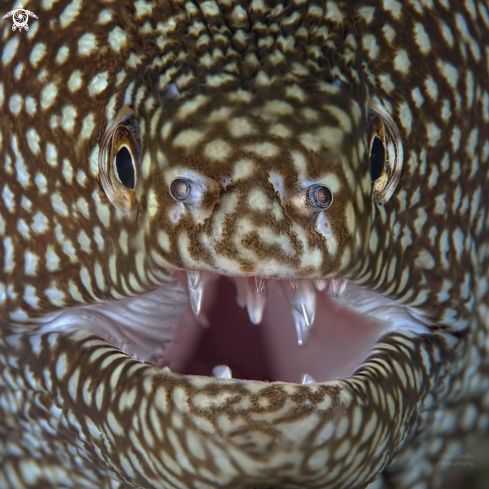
(241, 138)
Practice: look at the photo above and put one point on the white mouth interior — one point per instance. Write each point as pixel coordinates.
(160, 328)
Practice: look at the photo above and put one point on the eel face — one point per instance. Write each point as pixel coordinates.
(333, 155)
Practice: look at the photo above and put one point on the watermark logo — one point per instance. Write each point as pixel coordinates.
(455, 460)
(20, 17)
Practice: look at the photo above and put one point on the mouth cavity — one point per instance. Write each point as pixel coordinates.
(300, 331)
(256, 329)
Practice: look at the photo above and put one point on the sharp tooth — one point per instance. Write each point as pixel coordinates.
(303, 309)
(320, 284)
(338, 286)
(255, 302)
(193, 279)
(196, 294)
(307, 379)
(294, 284)
(259, 284)
(222, 372)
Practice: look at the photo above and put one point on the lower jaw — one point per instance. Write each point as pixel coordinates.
(338, 342)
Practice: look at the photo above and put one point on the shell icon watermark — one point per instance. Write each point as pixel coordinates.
(20, 17)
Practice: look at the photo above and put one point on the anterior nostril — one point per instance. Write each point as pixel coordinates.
(180, 189)
(320, 196)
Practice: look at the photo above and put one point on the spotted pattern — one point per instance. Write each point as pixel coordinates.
(251, 100)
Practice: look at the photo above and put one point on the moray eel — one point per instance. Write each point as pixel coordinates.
(331, 154)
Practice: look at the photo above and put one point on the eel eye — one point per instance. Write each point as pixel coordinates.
(125, 167)
(376, 157)
(180, 189)
(320, 196)
(386, 152)
(119, 158)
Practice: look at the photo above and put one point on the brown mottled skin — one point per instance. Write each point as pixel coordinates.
(252, 102)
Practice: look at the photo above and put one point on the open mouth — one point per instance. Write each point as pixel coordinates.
(300, 331)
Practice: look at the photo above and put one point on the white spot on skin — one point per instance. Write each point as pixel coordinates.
(187, 139)
(163, 240)
(386, 82)
(421, 38)
(152, 203)
(30, 263)
(51, 155)
(39, 223)
(37, 54)
(70, 13)
(300, 164)
(55, 296)
(18, 71)
(58, 204)
(240, 126)
(433, 133)
(87, 127)
(48, 95)
(62, 55)
(394, 7)
(30, 296)
(84, 241)
(67, 171)
(258, 200)
(242, 169)
(104, 17)
(217, 150)
(30, 105)
(23, 228)
(401, 62)
(406, 117)
(75, 81)
(98, 84)
(431, 87)
(191, 106)
(68, 118)
(449, 72)
(98, 238)
(87, 44)
(350, 218)
(280, 130)
(15, 103)
(323, 226)
(82, 206)
(103, 211)
(117, 39)
(8, 198)
(370, 45)
(9, 50)
(417, 97)
(9, 262)
(440, 206)
(265, 150)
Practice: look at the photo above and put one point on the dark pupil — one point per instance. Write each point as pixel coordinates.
(125, 168)
(376, 158)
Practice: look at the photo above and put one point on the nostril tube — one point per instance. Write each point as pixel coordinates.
(180, 189)
(320, 196)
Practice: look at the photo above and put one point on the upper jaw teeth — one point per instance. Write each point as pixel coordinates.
(252, 294)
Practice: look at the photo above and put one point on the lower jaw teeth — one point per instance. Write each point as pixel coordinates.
(307, 379)
(222, 372)
(252, 294)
